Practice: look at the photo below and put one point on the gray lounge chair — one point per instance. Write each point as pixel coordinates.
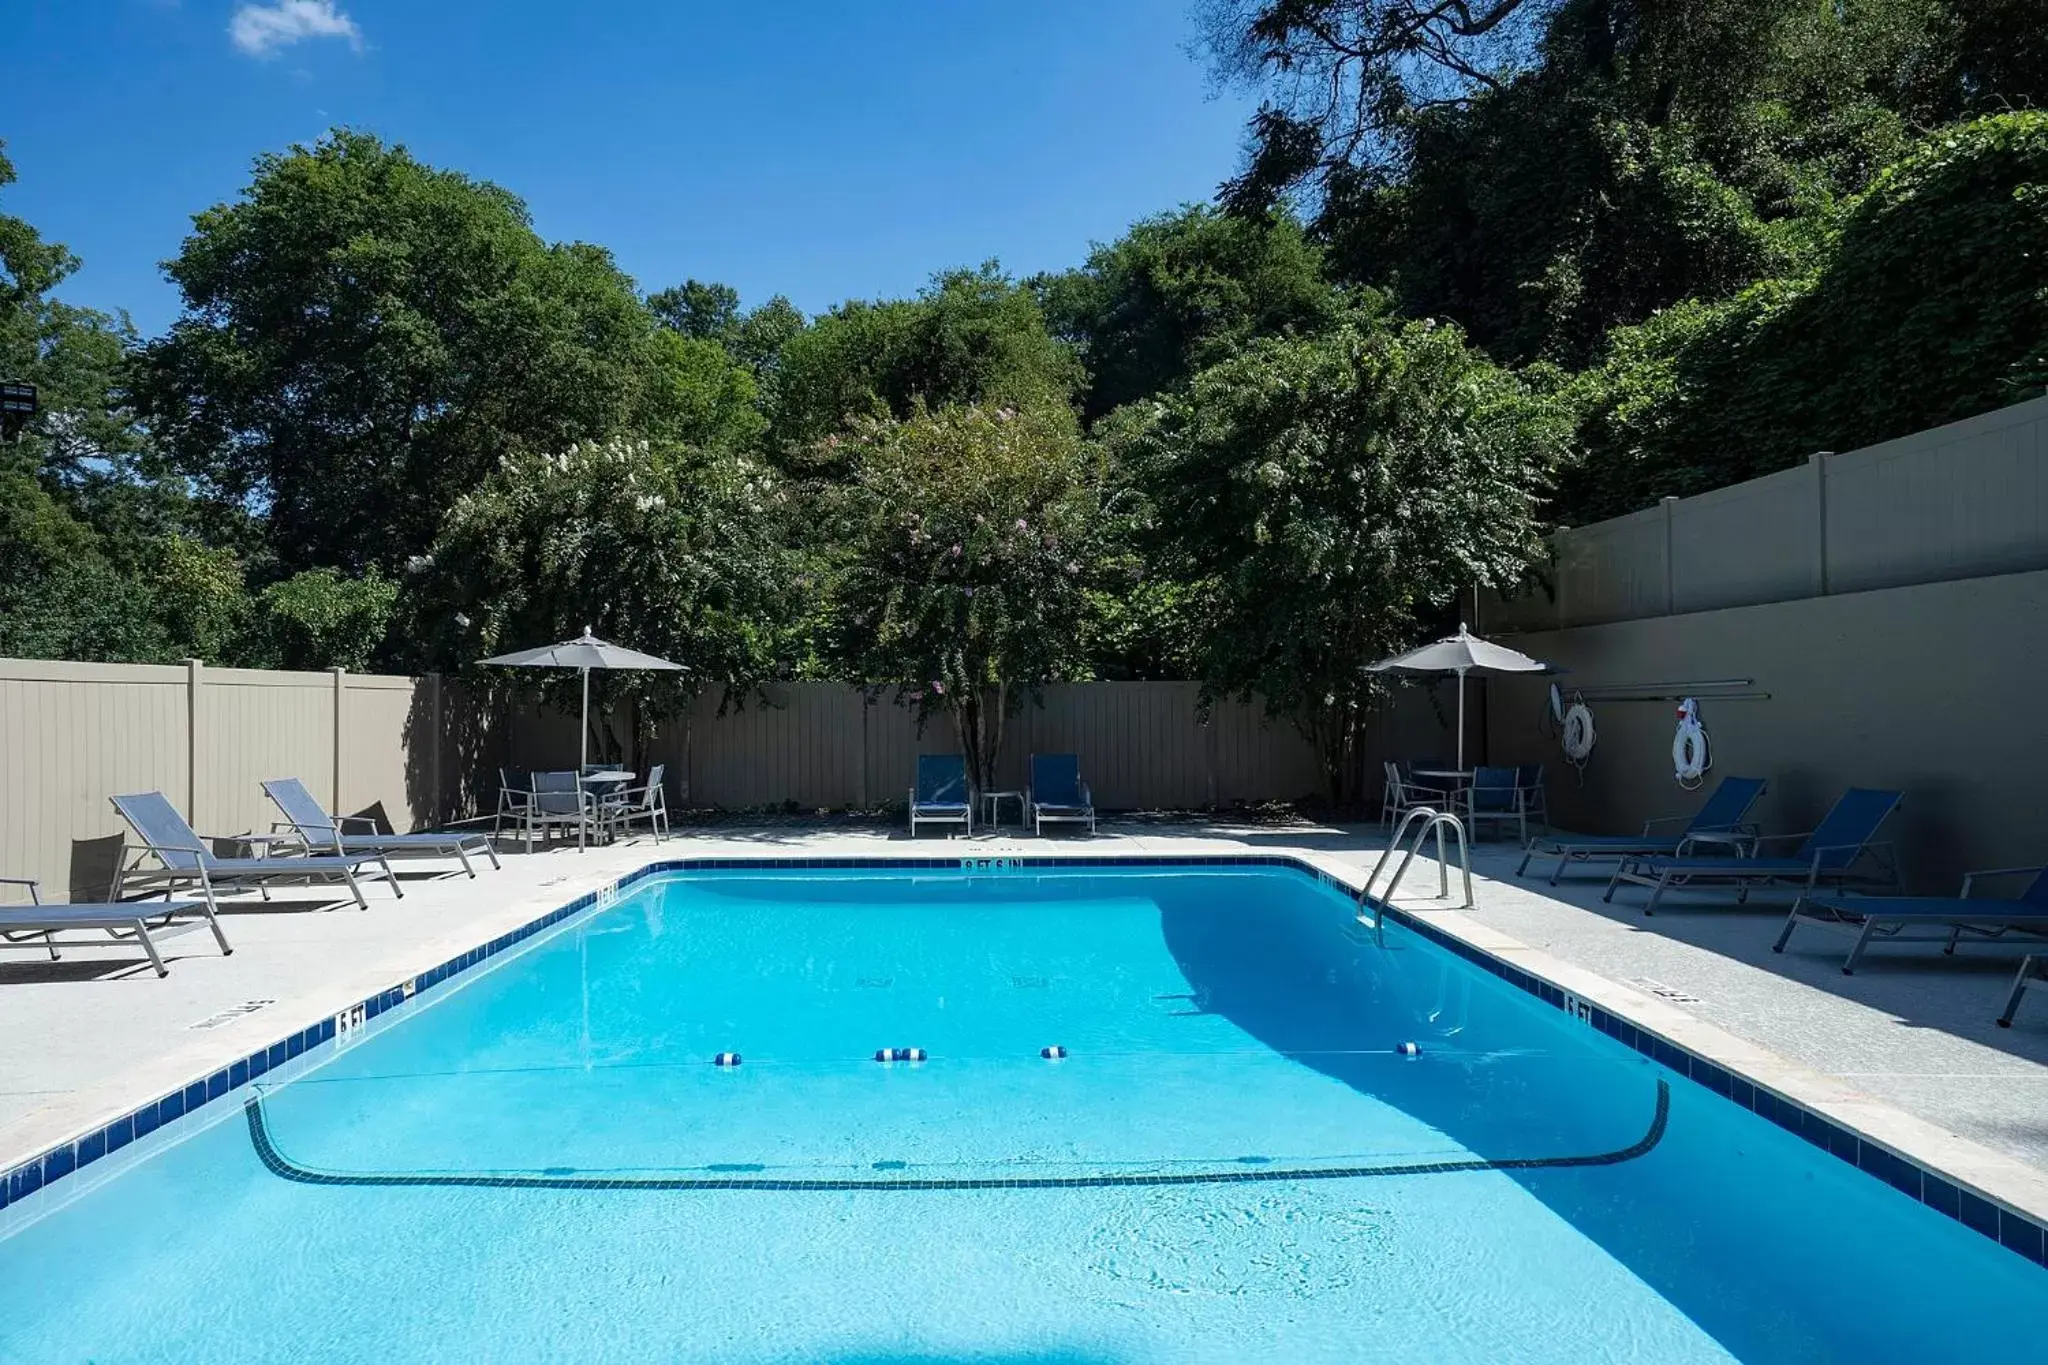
(1834, 853)
(941, 796)
(187, 860)
(19, 921)
(1893, 918)
(324, 833)
(1726, 812)
(1057, 794)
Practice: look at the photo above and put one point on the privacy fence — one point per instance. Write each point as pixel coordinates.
(1884, 610)
(426, 750)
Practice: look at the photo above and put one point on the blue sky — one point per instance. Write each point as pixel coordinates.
(827, 149)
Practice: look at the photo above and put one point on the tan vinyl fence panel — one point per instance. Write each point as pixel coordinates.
(73, 735)
(254, 726)
(1961, 501)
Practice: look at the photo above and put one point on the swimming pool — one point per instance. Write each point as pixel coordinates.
(1234, 1161)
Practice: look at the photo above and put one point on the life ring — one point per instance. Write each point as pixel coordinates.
(1691, 754)
(1578, 737)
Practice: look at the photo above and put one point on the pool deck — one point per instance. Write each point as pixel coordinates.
(1905, 1051)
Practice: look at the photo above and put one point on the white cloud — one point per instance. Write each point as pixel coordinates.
(260, 30)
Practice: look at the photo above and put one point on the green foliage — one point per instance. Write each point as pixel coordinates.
(1180, 292)
(1325, 498)
(673, 550)
(973, 336)
(319, 619)
(972, 545)
(1931, 305)
(365, 335)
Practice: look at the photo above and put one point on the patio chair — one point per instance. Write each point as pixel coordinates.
(1894, 918)
(2033, 977)
(1057, 793)
(515, 794)
(1833, 854)
(560, 798)
(328, 833)
(649, 803)
(1498, 795)
(941, 796)
(1726, 812)
(22, 921)
(188, 861)
(1403, 793)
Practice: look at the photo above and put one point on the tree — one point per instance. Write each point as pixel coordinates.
(1344, 76)
(708, 312)
(1180, 292)
(365, 335)
(1927, 307)
(972, 336)
(970, 543)
(1327, 497)
(672, 550)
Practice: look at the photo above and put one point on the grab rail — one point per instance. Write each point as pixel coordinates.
(1432, 820)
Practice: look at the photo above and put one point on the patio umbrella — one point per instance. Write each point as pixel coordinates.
(585, 652)
(1461, 654)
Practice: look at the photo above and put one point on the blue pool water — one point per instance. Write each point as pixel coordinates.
(1232, 1164)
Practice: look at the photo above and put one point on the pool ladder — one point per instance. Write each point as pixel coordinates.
(1429, 819)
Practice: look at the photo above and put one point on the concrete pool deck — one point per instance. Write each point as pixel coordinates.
(1905, 1051)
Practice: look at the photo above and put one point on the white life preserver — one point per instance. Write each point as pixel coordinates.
(1579, 736)
(1691, 755)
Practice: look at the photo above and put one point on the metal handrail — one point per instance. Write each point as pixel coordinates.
(1432, 820)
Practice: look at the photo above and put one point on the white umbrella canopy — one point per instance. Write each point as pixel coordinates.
(585, 652)
(1461, 654)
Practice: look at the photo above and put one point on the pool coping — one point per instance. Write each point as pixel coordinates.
(1995, 1196)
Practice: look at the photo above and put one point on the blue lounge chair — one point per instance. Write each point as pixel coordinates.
(323, 833)
(1057, 792)
(1833, 853)
(187, 860)
(2033, 976)
(941, 796)
(35, 918)
(1893, 918)
(1725, 812)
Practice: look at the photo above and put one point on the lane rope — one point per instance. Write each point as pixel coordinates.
(284, 1168)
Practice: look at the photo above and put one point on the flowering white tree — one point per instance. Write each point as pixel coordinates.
(972, 543)
(666, 549)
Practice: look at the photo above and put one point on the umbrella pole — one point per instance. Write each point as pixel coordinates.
(583, 733)
(1461, 719)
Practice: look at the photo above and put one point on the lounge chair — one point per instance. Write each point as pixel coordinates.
(188, 861)
(1504, 796)
(1725, 812)
(1892, 918)
(134, 916)
(941, 796)
(325, 833)
(2033, 977)
(1057, 792)
(1833, 854)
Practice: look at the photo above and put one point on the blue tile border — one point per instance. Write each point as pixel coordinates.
(2006, 1227)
